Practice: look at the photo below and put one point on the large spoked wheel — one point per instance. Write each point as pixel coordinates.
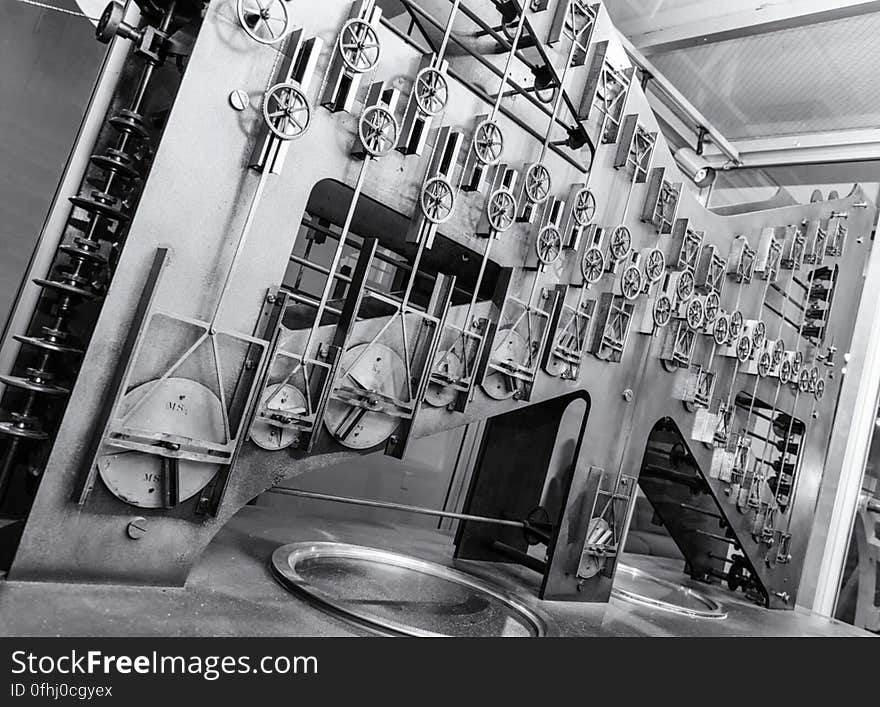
(378, 131)
(286, 111)
(548, 246)
(359, 46)
(431, 91)
(264, 21)
(501, 210)
(488, 142)
(437, 200)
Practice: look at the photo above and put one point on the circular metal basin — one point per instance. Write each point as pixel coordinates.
(400, 595)
(637, 587)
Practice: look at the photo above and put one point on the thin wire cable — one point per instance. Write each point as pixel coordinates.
(55, 8)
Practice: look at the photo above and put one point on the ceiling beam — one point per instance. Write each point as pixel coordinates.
(833, 147)
(707, 21)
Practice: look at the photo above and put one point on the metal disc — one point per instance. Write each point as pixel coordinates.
(178, 405)
(285, 398)
(379, 370)
(511, 346)
(449, 364)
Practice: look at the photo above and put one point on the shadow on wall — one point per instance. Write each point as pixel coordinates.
(50, 63)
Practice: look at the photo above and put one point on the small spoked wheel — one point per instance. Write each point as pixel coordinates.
(501, 210)
(431, 91)
(662, 311)
(378, 131)
(538, 183)
(684, 288)
(655, 265)
(621, 242)
(286, 111)
(488, 142)
(548, 246)
(359, 46)
(592, 265)
(764, 362)
(437, 200)
(584, 208)
(712, 307)
(743, 349)
(695, 314)
(721, 331)
(631, 282)
(264, 21)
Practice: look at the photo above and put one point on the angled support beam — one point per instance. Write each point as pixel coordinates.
(708, 21)
(833, 147)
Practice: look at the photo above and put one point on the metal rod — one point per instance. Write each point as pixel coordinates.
(387, 505)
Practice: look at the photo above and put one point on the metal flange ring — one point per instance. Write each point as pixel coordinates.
(538, 183)
(764, 362)
(593, 265)
(662, 310)
(264, 21)
(548, 245)
(621, 243)
(359, 46)
(695, 314)
(286, 111)
(631, 282)
(655, 265)
(501, 210)
(584, 209)
(743, 349)
(431, 91)
(488, 142)
(378, 130)
(437, 200)
(721, 331)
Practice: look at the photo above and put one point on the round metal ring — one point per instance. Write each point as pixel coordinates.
(712, 610)
(290, 561)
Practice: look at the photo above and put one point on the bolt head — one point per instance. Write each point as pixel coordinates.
(239, 100)
(137, 528)
(628, 395)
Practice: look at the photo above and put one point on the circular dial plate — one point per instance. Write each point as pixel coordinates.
(449, 364)
(379, 370)
(511, 346)
(284, 398)
(180, 405)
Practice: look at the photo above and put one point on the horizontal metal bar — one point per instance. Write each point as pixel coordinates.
(319, 268)
(310, 301)
(420, 510)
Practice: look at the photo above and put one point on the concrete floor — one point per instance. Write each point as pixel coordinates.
(231, 592)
